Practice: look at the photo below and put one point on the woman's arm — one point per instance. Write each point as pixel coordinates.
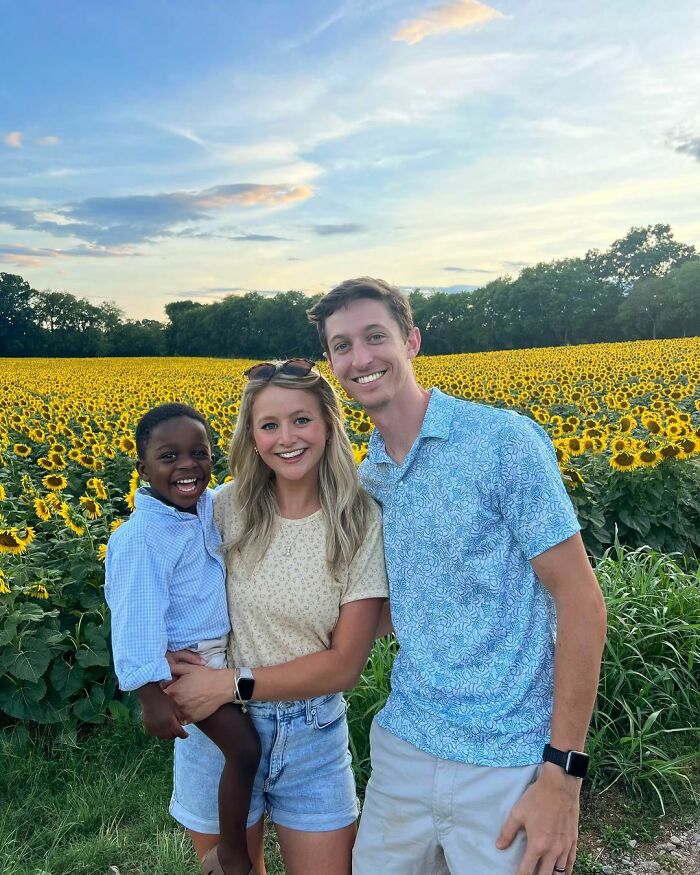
(200, 690)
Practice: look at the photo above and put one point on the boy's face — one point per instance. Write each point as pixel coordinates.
(368, 353)
(177, 462)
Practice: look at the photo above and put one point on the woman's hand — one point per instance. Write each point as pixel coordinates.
(199, 690)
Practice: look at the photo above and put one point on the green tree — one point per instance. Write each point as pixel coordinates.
(643, 252)
(17, 327)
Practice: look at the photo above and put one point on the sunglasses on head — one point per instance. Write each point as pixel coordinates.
(290, 368)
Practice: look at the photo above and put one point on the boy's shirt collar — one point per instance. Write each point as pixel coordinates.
(144, 501)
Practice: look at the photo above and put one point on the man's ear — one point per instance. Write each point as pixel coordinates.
(413, 342)
(330, 362)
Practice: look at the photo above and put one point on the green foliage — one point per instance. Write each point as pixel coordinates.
(645, 730)
(55, 658)
(656, 507)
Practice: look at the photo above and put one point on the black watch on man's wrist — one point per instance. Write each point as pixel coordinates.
(574, 762)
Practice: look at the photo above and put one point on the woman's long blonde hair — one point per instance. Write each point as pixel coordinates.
(345, 504)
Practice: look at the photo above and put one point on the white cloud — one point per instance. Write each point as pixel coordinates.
(48, 141)
(14, 139)
(449, 16)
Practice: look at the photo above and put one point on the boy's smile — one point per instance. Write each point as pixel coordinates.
(177, 462)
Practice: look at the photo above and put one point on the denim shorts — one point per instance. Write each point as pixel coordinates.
(304, 780)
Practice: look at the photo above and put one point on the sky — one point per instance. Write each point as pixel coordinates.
(174, 149)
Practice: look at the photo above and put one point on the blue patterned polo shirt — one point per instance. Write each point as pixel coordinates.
(478, 496)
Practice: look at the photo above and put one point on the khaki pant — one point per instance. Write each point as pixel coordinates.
(427, 816)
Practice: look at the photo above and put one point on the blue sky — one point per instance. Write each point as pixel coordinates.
(156, 151)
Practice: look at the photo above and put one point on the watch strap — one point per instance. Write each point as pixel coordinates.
(573, 762)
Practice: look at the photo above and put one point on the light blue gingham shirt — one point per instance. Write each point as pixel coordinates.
(478, 496)
(165, 586)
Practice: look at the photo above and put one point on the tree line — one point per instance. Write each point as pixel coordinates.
(646, 285)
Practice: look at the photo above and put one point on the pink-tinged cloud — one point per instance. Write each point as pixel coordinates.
(29, 256)
(48, 141)
(449, 16)
(14, 139)
(251, 195)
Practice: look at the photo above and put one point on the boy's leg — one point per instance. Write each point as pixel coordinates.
(400, 822)
(235, 736)
(203, 842)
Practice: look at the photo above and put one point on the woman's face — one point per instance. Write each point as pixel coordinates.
(289, 432)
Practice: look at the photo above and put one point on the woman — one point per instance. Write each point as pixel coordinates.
(306, 583)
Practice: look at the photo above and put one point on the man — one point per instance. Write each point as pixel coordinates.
(481, 543)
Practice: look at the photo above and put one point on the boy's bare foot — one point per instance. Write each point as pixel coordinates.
(211, 865)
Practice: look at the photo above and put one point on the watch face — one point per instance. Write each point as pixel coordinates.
(245, 688)
(577, 764)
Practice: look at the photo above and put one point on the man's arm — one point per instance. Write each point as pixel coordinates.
(548, 811)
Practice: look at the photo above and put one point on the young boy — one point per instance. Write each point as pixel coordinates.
(165, 586)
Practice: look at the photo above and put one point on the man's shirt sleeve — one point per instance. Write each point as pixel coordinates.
(136, 590)
(533, 498)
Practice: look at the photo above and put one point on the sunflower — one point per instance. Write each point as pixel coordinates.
(22, 450)
(624, 461)
(37, 590)
(627, 424)
(2, 492)
(13, 542)
(574, 446)
(648, 458)
(102, 552)
(114, 525)
(45, 463)
(4, 588)
(72, 522)
(91, 508)
(359, 452)
(42, 509)
(55, 482)
(94, 484)
(573, 476)
(127, 445)
(669, 451)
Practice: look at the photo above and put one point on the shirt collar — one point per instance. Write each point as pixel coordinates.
(436, 424)
(146, 503)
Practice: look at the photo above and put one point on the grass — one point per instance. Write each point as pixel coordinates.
(76, 810)
(72, 807)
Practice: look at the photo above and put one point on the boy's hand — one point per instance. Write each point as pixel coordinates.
(159, 713)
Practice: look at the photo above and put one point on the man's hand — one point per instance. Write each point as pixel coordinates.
(548, 811)
(160, 717)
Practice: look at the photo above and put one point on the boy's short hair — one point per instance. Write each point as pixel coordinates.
(160, 414)
(354, 289)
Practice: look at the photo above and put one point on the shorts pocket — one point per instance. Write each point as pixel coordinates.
(328, 711)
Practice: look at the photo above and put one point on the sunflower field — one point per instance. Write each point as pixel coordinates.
(624, 419)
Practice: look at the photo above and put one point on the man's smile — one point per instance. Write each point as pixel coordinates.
(369, 378)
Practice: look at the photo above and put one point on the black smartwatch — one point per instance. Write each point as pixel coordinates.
(574, 762)
(243, 687)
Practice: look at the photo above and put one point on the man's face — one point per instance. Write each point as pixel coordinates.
(368, 353)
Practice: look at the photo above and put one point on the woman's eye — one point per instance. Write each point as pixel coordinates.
(302, 420)
(268, 426)
(376, 337)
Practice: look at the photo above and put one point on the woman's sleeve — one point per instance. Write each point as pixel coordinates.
(367, 574)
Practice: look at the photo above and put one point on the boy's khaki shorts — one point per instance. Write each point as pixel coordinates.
(428, 816)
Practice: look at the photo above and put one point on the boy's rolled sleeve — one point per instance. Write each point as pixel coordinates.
(136, 590)
(533, 498)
